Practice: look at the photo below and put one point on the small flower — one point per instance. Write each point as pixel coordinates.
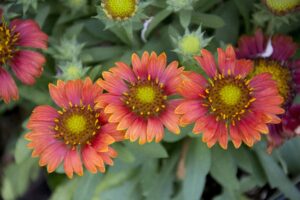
(191, 43)
(75, 134)
(138, 98)
(274, 55)
(228, 103)
(26, 64)
(120, 12)
(280, 7)
(72, 71)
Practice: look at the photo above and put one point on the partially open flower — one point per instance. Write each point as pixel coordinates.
(191, 43)
(282, 7)
(274, 55)
(74, 134)
(228, 102)
(138, 98)
(119, 10)
(26, 64)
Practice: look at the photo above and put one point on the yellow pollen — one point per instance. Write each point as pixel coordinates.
(120, 9)
(282, 5)
(7, 43)
(230, 94)
(76, 123)
(145, 94)
(190, 44)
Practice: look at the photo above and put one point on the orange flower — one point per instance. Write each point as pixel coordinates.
(74, 134)
(228, 103)
(138, 97)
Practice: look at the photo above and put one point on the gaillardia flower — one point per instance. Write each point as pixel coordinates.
(138, 98)
(76, 133)
(15, 39)
(228, 103)
(274, 55)
(280, 7)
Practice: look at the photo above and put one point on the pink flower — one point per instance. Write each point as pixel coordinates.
(228, 103)
(26, 64)
(77, 134)
(274, 55)
(138, 97)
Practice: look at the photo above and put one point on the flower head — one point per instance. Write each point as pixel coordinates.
(120, 12)
(228, 103)
(16, 38)
(191, 43)
(273, 55)
(74, 134)
(138, 98)
(72, 70)
(282, 7)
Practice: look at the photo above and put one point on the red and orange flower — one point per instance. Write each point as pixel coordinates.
(274, 55)
(26, 64)
(228, 103)
(77, 133)
(138, 97)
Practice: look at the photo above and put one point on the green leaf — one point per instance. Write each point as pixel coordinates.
(223, 168)
(17, 178)
(158, 18)
(163, 188)
(275, 175)
(87, 185)
(185, 17)
(95, 72)
(66, 190)
(98, 54)
(208, 20)
(171, 137)
(198, 163)
(34, 95)
(22, 152)
(152, 150)
(123, 153)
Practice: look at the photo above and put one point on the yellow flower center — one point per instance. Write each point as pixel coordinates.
(280, 74)
(145, 97)
(228, 97)
(145, 94)
(77, 125)
(119, 9)
(282, 5)
(190, 44)
(73, 71)
(230, 94)
(7, 43)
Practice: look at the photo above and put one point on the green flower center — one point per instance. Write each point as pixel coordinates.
(7, 43)
(145, 97)
(145, 94)
(282, 5)
(230, 94)
(190, 44)
(77, 125)
(228, 97)
(120, 9)
(280, 74)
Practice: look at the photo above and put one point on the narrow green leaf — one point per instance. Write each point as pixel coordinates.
(21, 151)
(159, 17)
(198, 163)
(208, 20)
(152, 150)
(86, 186)
(223, 168)
(98, 54)
(275, 175)
(185, 17)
